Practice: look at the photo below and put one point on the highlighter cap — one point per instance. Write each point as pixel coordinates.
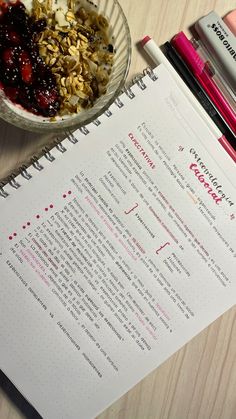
(230, 21)
(182, 44)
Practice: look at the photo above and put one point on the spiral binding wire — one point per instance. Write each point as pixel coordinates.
(35, 163)
(24, 172)
(139, 81)
(71, 137)
(119, 103)
(97, 122)
(128, 91)
(47, 152)
(149, 72)
(61, 147)
(84, 130)
(108, 113)
(3, 193)
(13, 182)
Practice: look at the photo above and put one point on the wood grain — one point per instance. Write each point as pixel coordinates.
(199, 381)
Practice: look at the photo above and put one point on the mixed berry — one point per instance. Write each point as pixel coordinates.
(24, 77)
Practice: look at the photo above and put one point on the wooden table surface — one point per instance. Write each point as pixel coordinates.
(199, 381)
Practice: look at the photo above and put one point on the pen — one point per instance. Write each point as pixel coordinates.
(155, 53)
(198, 91)
(197, 66)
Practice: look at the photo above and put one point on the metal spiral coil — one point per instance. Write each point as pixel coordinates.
(61, 147)
(129, 92)
(139, 81)
(97, 122)
(149, 72)
(71, 137)
(25, 173)
(47, 154)
(35, 163)
(3, 193)
(108, 113)
(84, 130)
(12, 181)
(119, 103)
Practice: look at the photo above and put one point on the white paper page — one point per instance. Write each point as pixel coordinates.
(116, 254)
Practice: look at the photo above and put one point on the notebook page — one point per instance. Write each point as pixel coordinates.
(111, 258)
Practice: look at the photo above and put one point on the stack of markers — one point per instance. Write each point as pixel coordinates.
(207, 65)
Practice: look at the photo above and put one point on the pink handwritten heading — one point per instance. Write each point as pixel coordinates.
(141, 150)
(205, 184)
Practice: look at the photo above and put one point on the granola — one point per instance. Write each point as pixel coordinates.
(75, 45)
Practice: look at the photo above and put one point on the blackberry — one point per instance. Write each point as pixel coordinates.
(16, 14)
(11, 76)
(39, 25)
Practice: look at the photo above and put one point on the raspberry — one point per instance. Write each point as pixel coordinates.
(8, 57)
(12, 93)
(24, 76)
(25, 67)
(45, 97)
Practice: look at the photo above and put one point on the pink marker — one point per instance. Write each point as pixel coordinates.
(200, 71)
(155, 53)
(230, 21)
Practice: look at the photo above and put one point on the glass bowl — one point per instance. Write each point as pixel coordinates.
(120, 37)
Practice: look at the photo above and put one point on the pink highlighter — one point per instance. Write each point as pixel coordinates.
(203, 75)
(230, 21)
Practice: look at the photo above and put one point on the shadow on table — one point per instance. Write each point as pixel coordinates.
(17, 146)
(16, 397)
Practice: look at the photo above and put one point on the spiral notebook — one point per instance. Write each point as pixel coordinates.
(111, 251)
